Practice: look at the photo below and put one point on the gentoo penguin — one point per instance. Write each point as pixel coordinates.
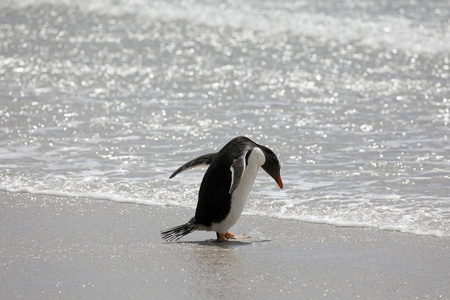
(225, 186)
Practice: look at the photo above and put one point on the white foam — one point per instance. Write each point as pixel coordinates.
(383, 31)
(93, 195)
(341, 222)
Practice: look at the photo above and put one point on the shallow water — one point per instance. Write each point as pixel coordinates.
(107, 99)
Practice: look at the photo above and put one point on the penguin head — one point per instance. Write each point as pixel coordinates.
(272, 165)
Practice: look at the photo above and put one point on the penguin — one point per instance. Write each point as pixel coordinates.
(225, 186)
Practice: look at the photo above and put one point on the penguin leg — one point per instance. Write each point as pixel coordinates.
(221, 237)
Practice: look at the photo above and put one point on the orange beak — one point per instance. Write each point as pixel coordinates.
(280, 183)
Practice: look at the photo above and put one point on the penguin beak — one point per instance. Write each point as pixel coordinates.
(280, 183)
(275, 175)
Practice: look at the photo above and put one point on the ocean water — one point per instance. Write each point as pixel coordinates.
(107, 98)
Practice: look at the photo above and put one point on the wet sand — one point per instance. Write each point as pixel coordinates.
(71, 248)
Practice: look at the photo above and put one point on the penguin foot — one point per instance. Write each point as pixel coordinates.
(239, 236)
(227, 235)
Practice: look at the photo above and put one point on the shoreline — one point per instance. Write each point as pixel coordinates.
(136, 201)
(72, 247)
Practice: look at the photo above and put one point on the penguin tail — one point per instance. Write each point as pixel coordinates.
(175, 233)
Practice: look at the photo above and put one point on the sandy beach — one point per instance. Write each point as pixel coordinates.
(72, 248)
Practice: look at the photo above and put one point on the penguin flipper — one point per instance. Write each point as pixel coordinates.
(203, 160)
(237, 171)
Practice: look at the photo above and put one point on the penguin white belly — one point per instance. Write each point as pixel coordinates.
(240, 194)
